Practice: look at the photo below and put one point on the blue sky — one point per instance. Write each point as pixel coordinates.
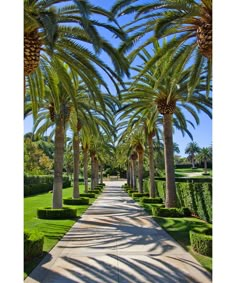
(202, 134)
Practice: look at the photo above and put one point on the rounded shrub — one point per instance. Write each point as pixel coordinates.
(56, 213)
(185, 211)
(76, 201)
(201, 243)
(88, 195)
(151, 200)
(33, 244)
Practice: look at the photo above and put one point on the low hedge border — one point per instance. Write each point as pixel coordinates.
(173, 212)
(95, 191)
(151, 200)
(33, 244)
(88, 195)
(76, 201)
(56, 213)
(138, 195)
(201, 243)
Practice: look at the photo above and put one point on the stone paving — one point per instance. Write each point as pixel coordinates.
(115, 241)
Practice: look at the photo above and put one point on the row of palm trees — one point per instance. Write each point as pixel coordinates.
(66, 81)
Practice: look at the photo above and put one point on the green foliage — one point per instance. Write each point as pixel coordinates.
(201, 243)
(138, 195)
(76, 201)
(56, 213)
(40, 184)
(151, 200)
(35, 160)
(169, 212)
(33, 244)
(95, 191)
(155, 209)
(88, 195)
(186, 211)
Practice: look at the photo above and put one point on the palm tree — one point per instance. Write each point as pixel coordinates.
(166, 97)
(189, 22)
(205, 154)
(192, 149)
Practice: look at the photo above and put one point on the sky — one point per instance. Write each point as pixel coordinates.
(202, 134)
(12, 129)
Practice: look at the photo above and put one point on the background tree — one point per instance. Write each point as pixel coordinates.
(192, 149)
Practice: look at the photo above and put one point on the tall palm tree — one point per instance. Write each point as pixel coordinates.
(188, 21)
(205, 154)
(192, 149)
(167, 97)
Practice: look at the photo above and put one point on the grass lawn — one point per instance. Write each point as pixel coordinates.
(179, 229)
(53, 230)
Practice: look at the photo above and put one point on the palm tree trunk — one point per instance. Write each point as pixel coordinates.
(152, 192)
(76, 193)
(134, 175)
(92, 172)
(58, 164)
(169, 161)
(131, 175)
(128, 174)
(85, 170)
(140, 171)
(96, 167)
(205, 166)
(101, 173)
(193, 164)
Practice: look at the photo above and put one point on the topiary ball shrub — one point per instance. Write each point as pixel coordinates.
(56, 213)
(201, 243)
(170, 212)
(88, 195)
(151, 200)
(186, 211)
(76, 201)
(33, 244)
(138, 195)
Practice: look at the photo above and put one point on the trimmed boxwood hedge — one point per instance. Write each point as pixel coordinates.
(88, 195)
(95, 191)
(169, 212)
(33, 244)
(151, 200)
(155, 208)
(201, 243)
(34, 185)
(56, 213)
(76, 201)
(138, 195)
(196, 195)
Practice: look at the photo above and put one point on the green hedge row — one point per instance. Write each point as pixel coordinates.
(151, 200)
(34, 185)
(201, 242)
(76, 201)
(138, 195)
(196, 196)
(33, 244)
(88, 195)
(52, 213)
(171, 212)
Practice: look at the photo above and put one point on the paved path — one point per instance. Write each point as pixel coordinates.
(115, 241)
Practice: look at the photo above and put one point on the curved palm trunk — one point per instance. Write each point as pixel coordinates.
(169, 161)
(140, 171)
(85, 151)
(76, 193)
(128, 174)
(58, 164)
(152, 192)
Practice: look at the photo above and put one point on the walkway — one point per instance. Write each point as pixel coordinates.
(115, 241)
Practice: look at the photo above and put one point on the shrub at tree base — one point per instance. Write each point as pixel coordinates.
(151, 200)
(170, 212)
(201, 243)
(76, 201)
(56, 213)
(95, 191)
(155, 209)
(33, 244)
(88, 195)
(138, 195)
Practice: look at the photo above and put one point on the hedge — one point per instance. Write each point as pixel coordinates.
(76, 201)
(34, 185)
(138, 195)
(56, 213)
(201, 243)
(88, 195)
(151, 200)
(95, 191)
(197, 196)
(33, 244)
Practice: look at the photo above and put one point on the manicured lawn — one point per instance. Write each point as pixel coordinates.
(179, 229)
(53, 230)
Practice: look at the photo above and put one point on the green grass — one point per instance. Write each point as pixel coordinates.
(53, 230)
(179, 229)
